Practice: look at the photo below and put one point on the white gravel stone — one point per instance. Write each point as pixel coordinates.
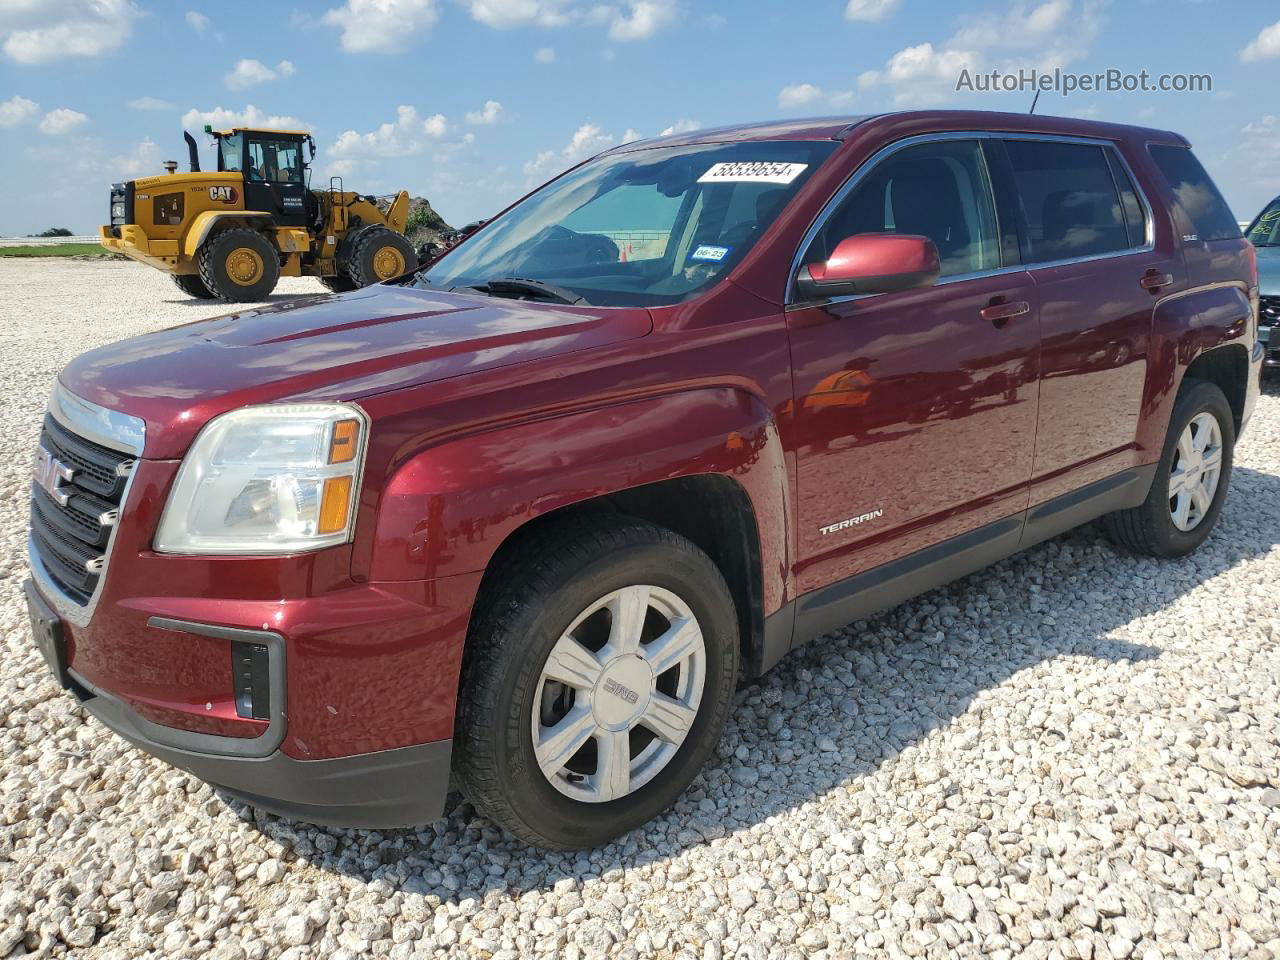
(1072, 754)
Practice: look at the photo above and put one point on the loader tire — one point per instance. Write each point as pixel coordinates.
(239, 266)
(380, 254)
(191, 285)
(339, 282)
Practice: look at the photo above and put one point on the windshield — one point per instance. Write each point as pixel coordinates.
(229, 152)
(1265, 231)
(645, 228)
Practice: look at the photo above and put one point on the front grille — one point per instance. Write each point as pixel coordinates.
(1269, 311)
(71, 538)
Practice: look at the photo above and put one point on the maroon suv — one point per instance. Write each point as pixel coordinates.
(530, 516)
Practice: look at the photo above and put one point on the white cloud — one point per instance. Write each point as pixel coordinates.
(682, 125)
(487, 116)
(636, 19)
(586, 141)
(250, 73)
(381, 26)
(144, 158)
(797, 95)
(1040, 35)
(62, 121)
(150, 103)
(545, 55)
(1265, 46)
(870, 9)
(504, 14)
(407, 135)
(197, 21)
(17, 110)
(38, 31)
(631, 136)
(220, 118)
(435, 125)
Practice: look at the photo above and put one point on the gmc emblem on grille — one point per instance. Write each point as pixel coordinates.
(51, 473)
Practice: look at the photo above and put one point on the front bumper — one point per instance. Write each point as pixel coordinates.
(1270, 350)
(404, 787)
(130, 241)
(383, 789)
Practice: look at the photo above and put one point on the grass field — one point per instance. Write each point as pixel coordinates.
(58, 250)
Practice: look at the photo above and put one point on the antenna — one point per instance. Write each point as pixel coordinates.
(1034, 102)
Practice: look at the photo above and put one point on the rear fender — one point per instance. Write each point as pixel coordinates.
(202, 226)
(1186, 326)
(447, 509)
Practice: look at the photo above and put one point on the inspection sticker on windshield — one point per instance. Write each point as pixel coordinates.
(749, 172)
(710, 253)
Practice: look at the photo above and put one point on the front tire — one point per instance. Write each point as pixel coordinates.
(596, 683)
(1191, 479)
(239, 266)
(338, 283)
(191, 285)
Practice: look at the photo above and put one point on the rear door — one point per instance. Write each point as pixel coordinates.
(274, 181)
(1087, 239)
(914, 412)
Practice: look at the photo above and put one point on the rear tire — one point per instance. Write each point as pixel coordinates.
(655, 696)
(239, 266)
(380, 254)
(191, 285)
(1186, 498)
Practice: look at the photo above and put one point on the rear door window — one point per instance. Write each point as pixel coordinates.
(1196, 192)
(1070, 203)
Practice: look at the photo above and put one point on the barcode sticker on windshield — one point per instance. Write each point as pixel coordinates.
(753, 172)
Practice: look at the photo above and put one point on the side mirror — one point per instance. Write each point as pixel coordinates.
(871, 263)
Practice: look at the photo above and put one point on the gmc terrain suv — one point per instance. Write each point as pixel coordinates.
(529, 516)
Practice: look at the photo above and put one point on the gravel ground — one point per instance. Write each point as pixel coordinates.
(1072, 754)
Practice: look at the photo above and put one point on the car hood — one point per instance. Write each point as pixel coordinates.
(342, 347)
(1269, 271)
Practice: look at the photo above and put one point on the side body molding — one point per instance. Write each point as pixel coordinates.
(446, 510)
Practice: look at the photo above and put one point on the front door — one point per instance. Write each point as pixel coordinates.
(914, 412)
(273, 179)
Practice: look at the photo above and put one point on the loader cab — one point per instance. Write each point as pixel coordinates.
(274, 170)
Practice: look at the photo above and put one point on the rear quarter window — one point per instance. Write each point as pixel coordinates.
(1196, 193)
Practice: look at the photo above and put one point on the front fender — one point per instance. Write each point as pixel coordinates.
(204, 223)
(446, 510)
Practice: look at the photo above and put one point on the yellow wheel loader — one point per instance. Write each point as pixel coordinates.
(231, 234)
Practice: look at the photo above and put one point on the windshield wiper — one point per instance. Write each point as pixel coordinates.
(499, 285)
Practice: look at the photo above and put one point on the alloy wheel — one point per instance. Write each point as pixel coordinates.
(1196, 471)
(618, 694)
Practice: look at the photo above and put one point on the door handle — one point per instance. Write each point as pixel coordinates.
(1153, 280)
(1002, 313)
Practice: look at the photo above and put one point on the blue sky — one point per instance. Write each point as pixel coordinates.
(470, 102)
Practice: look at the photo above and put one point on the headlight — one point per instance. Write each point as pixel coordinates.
(117, 210)
(267, 480)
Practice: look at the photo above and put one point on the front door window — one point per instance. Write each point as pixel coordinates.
(275, 161)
